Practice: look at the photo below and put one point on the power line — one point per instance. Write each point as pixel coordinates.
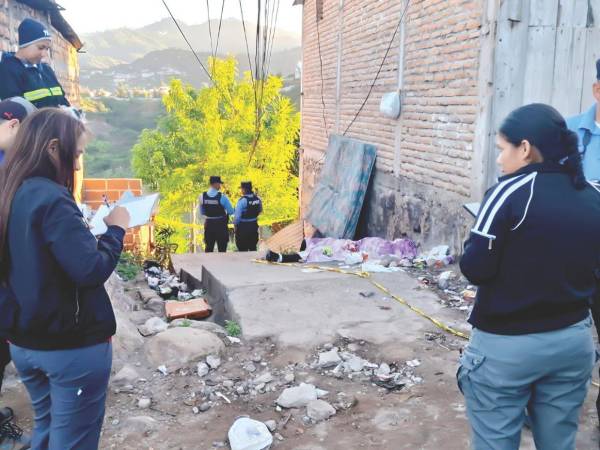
(187, 41)
(220, 23)
(380, 68)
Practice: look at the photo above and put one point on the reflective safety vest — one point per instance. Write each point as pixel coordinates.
(34, 82)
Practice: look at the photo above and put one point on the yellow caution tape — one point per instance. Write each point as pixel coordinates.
(382, 288)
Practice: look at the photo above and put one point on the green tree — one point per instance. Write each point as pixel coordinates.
(213, 131)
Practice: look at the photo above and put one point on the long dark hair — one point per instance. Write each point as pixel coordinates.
(545, 128)
(29, 157)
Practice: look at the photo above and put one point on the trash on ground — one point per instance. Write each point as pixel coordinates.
(249, 434)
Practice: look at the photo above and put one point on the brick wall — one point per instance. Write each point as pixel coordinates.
(64, 56)
(429, 149)
(93, 192)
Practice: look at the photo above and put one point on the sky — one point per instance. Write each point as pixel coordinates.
(87, 16)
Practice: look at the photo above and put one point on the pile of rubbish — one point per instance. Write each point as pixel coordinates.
(168, 285)
(339, 363)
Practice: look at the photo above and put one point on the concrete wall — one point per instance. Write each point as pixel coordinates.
(424, 165)
(64, 56)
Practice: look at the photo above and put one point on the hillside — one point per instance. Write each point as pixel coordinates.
(125, 45)
(157, 67)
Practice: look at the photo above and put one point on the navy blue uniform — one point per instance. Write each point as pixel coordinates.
(34, 82)
(216, 207)
(247, 210)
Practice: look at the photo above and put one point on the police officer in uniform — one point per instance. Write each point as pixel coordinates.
(247, 210)
(23, 74)
(216, 208)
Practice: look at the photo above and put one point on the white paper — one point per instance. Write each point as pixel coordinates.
(140, 211)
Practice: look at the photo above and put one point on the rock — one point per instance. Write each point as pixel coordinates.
(329, 359)
(444, 279)
(228, 384)
(204, 407)
(321, 393)
(355, 364)
(413, 363)
(250, 367)
(163, 369)
(271, 425)
(195, 410)
(213, 361)
(319, 410)
(156, 305)
(240, 390)
(297, 397)
(264, 378)
(328, 346)
(289, 378)
(144, 403)
(256, 359)
(178, 347)
(127, 375)
(153, 326)
(279, 437)
(234, 340)
(202, 369)
(199, 325)
(145, 294)
(140, 424)
(345, 401)
(383, 370)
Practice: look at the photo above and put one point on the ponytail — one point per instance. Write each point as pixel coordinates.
(573, 163)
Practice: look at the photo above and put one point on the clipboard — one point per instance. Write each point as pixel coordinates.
(140, 211)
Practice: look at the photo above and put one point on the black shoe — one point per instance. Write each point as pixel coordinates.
(272, 256)
(6, 415)
(12, 437)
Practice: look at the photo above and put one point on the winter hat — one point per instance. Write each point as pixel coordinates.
(31, 31)
(10, 110)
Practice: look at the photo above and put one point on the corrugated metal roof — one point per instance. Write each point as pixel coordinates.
(56, 19)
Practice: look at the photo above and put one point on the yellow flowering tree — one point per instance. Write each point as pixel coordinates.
(214, 131)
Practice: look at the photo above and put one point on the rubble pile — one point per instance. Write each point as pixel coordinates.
(342, 363)
(168, 285)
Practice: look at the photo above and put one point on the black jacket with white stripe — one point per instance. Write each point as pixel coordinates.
(534, 252)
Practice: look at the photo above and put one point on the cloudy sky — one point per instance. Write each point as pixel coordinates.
(87, 16)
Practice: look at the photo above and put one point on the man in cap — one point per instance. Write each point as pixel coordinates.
(216, 208)
(587, 127)
(12, 112)
(25, 74)
(247, 210)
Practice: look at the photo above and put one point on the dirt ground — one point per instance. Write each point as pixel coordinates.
(428, 414)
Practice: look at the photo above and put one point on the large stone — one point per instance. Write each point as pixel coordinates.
(127, 375)
(319, 410)
(153, 326)
(145, 294)
(156, 305)
(297, 397)
(178, 347)
(329, 359)
(199, 325)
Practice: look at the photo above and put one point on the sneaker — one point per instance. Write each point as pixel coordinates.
(13, 438)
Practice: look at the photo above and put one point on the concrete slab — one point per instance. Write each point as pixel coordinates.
(299, 311)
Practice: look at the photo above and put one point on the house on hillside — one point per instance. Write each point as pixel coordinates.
(65, 42)
(459, 67)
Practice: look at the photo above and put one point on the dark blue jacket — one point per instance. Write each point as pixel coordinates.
(534, 252)
(56, 297)
(37, 83)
